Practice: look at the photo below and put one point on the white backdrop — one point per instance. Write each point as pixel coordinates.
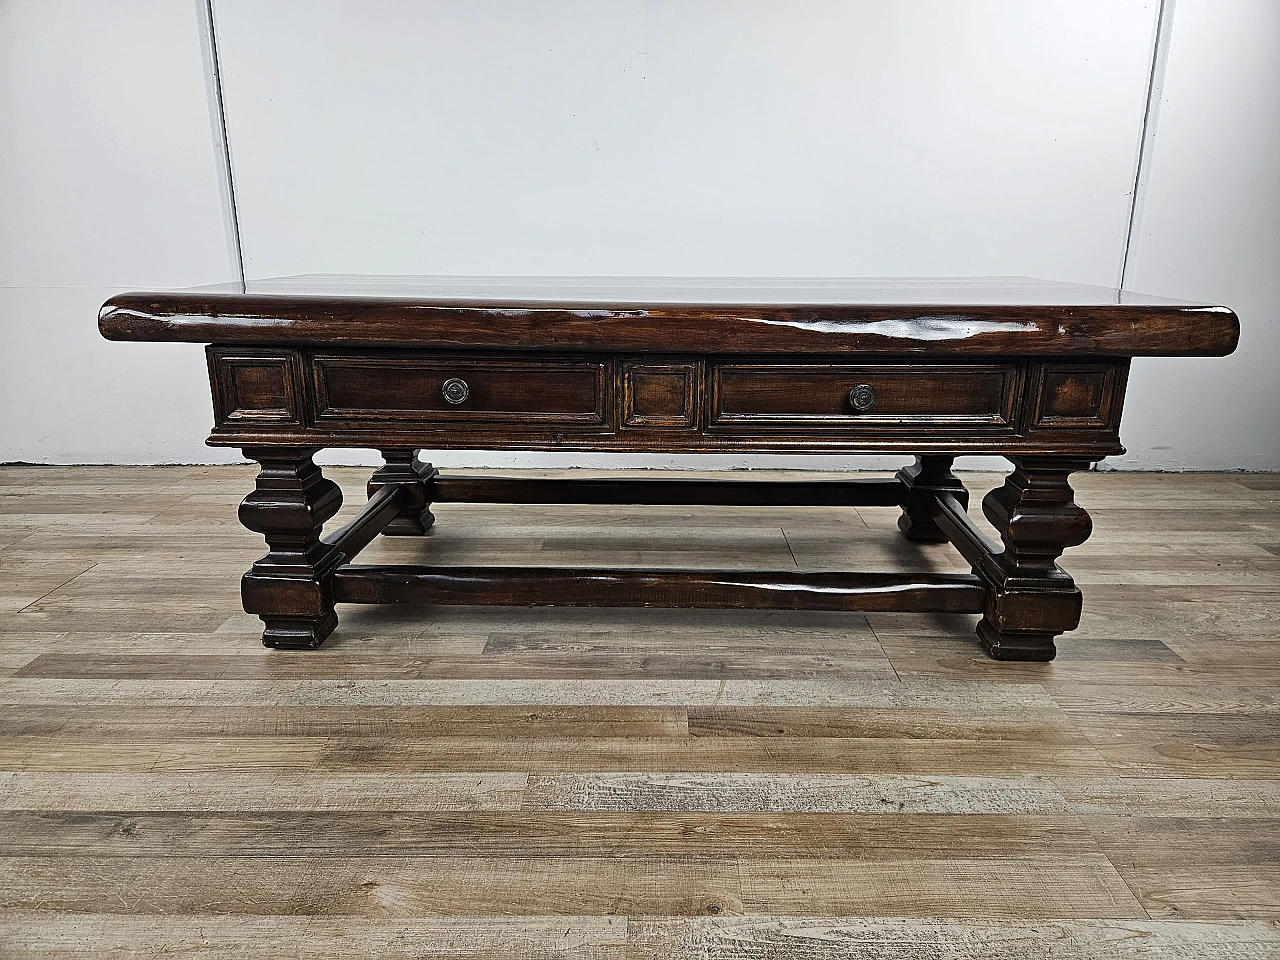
(886, 137)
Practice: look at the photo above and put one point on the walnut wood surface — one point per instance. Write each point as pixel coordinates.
(1030, 598)
(923, 483)
(1032, 370)
(630, 490)
(414, 479)
(1027, 600)
(395, 400)
(709, 589)
(289, 587)
(937, 329)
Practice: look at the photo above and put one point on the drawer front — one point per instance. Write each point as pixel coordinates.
(439, 390)
(878, 398)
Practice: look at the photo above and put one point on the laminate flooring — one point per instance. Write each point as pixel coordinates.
(727, 785)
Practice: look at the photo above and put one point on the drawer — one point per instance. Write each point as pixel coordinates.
(875, 397)
(440, 390)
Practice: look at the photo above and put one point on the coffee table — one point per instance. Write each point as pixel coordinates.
(1034, 371)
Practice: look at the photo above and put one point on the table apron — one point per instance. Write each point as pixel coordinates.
(286, 396)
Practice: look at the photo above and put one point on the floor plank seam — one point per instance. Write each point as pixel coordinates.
(787, 541)
(705, 778)
(55, 589)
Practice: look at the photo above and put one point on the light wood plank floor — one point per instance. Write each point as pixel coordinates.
(502, 782)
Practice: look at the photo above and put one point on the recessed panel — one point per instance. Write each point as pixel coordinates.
(262, 386)
(659, 396)
(1075, 396)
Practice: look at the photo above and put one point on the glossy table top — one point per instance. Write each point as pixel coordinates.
(956, 316)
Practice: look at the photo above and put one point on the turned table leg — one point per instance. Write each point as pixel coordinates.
(289, 588)
(403, 467)
(1030, 599)
(924, 480)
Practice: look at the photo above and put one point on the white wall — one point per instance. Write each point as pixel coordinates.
(715, 138)
(886, 137)
(1209, 229)
(108, 181)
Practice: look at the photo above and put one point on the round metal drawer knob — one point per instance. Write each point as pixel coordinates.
(862, 397)
(455, 390)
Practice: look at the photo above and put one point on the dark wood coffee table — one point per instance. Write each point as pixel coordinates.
(1030, 370)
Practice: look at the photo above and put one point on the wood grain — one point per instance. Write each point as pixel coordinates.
(632, 784)
(313, 938)
(382, 887)
(815, 938)
(531, 834)
(960, 324)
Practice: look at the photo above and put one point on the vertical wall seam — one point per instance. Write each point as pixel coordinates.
(1146, 141)
(218, 118)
